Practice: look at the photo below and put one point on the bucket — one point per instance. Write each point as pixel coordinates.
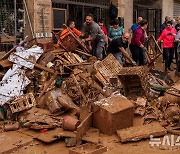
(70, 123)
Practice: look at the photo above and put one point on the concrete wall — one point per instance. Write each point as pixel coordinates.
(128, 17)
(125, 9)
(167, 8)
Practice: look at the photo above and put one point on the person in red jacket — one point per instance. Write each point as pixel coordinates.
(167, 38)
(137, 43)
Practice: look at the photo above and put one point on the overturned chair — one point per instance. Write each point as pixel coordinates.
(153, 52)
(70, 41)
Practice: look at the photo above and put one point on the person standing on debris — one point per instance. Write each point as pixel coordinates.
(115, 31)
(117, 48)
(137, 47)
(92, 33)
(167, 38)
(136, 25)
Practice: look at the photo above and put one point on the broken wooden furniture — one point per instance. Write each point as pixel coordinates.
(107, 68)
(46, 46)
(111, 114)
(173, 95)
(154, 51)
(134, 80)
(71, 41)
(22, 103)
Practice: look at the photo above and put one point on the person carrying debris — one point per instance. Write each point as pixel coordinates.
(137, 43)
(71, 25)
(94, 36)
(117, 48)
(167, 37)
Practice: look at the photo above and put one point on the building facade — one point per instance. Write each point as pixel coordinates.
(48, 15)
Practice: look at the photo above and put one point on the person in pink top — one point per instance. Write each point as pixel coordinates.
(167, 38)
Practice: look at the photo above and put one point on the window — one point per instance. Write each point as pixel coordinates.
(59, 18)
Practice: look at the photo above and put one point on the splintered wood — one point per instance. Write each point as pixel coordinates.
(109, 67)
(141, 132)
(134, 80)
(22, 103)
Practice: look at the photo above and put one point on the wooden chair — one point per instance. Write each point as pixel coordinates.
(153, 52)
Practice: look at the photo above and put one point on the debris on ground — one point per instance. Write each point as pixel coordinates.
(65, 93)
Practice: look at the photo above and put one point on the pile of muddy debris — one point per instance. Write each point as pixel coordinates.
(63, 93)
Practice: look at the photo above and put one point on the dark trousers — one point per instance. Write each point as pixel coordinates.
(168, 55)
(137, 54)
(175, 51)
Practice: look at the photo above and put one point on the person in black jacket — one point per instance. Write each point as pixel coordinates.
(117, 48)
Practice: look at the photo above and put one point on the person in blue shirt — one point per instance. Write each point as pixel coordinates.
(163, 26)
(136, 25)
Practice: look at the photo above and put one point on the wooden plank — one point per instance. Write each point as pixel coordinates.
(156, 44)
(84, 127)
(53, 135)
(61, 58)
(77, 64)
(48, 84)
(84, 53)
(141, 132)
(151, 46)
(5, 63)
(92, 135)
(79, 88)
(13, 140)
(78, 58)
(44, 68)
(72, 57)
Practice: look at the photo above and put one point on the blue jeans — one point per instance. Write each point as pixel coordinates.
(97, 49)
(120, 58)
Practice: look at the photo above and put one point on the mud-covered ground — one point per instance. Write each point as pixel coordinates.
(22, 142)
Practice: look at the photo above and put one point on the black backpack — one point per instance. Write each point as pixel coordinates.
(113, 11)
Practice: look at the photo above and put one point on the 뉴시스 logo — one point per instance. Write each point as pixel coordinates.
(167, 140)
